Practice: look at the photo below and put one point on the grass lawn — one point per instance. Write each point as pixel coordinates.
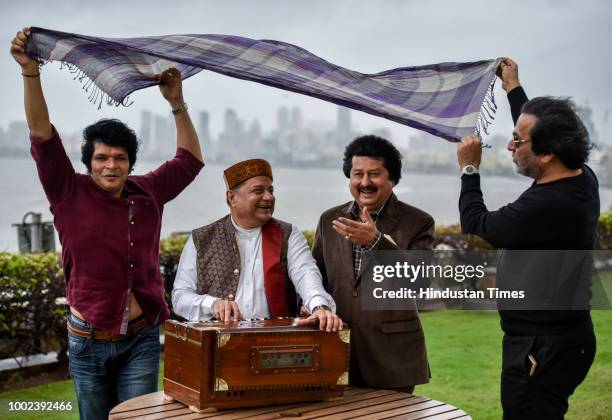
(464, 350)
(465, 356)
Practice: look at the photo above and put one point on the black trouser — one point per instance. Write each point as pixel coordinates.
(542, 392)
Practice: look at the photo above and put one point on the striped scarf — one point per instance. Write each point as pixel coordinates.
(449, 100)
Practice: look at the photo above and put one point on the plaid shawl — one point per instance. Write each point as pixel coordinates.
(449, 100)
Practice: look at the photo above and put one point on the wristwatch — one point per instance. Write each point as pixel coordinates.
(181, 108)
(469, 170)
(324, 307)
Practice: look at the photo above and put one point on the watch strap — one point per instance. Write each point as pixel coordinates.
(469, 170)
(181, 108)
(324, 307)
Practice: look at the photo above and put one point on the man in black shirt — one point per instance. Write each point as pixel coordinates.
(546, 353)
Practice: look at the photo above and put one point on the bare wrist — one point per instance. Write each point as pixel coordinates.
(174, 102)
(511, 85)
(31, 68)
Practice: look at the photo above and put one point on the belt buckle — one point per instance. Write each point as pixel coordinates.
(114, 337)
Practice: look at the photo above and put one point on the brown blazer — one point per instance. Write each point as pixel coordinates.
(387, 347)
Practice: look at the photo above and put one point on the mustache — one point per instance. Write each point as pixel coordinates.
(368, 189)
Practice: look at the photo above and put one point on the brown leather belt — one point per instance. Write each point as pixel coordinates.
(107, 335)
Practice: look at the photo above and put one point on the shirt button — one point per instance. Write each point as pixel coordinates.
(132, 265)
(355, 294)
(132, 222)
(131, 243)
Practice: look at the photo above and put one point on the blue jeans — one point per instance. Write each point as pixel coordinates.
(106, 373)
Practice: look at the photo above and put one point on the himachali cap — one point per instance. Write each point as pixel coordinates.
(241, 171)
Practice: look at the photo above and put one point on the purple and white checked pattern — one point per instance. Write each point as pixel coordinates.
(449, 100)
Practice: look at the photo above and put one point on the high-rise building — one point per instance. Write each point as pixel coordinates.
(231, 140)
(296, 118)
(204, 133)
(343, 133)
(145, 126)
(254, 133)
(282, 119)
(344, 122)
(164, 137)
(144, 132)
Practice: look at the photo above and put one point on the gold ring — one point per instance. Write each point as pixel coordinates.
(347, 237)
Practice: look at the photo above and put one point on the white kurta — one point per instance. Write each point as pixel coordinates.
(251, 295)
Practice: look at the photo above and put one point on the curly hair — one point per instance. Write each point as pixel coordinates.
(376, 147)
(111, 132)
(558, 130)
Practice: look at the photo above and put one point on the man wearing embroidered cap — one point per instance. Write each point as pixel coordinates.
(248, 264)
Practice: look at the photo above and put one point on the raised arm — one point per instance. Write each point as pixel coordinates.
(36, 111)
(171, 87)
(501, 228)
(508, 73)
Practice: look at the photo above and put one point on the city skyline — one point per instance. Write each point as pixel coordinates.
(287, 118)
(557, 45)
(295, 142)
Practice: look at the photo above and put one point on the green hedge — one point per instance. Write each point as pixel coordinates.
(604, 231)
(32, 308)
(169, 254)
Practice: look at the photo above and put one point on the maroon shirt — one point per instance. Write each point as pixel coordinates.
(110, 245)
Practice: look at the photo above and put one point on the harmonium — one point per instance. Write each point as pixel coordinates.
(216, 365)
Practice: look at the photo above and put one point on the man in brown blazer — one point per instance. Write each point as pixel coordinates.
(387, 346)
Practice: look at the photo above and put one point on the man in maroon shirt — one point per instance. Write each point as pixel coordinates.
(109, 225)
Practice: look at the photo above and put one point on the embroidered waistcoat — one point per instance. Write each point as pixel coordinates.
(218, 263)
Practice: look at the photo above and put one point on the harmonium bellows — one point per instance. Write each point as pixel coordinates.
(256, 362)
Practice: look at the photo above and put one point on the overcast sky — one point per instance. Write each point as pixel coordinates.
(562, 47)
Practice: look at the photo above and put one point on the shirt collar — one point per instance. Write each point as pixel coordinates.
(353, 210)
(244, 231)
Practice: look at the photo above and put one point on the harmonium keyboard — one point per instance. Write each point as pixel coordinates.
(233, 364)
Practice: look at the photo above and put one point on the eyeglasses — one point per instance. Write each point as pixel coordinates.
(517, 142)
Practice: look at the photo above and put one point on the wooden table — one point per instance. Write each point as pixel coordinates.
(357, 403)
